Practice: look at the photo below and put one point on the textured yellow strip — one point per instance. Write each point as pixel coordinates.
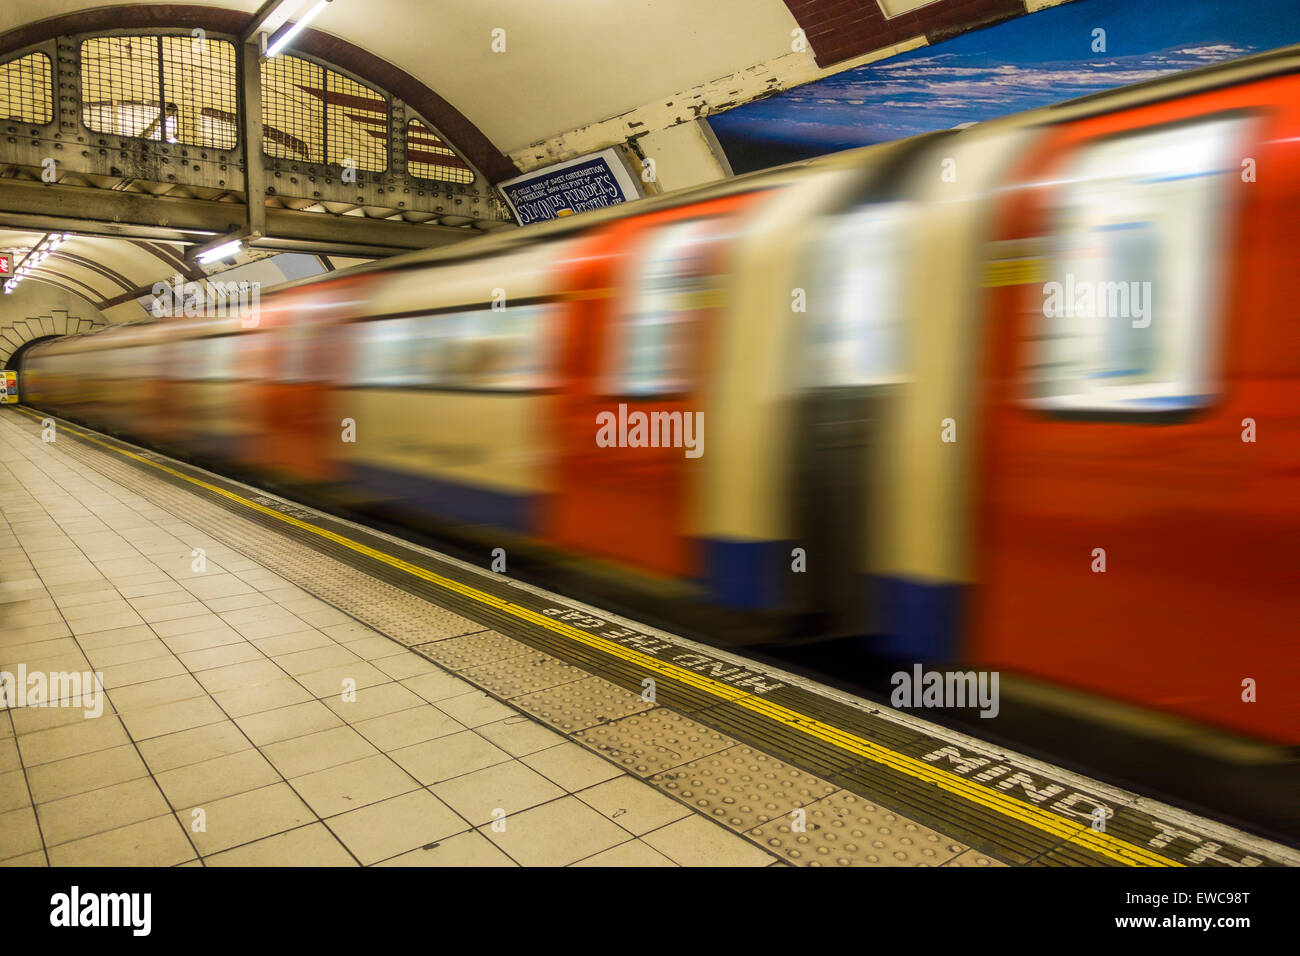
(999, 272)
(1051, 823)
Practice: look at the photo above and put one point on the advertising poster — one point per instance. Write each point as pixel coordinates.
(588, 182)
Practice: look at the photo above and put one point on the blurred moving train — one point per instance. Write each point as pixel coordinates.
(1022, 395)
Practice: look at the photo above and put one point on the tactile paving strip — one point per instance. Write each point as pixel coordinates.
(845, 829)
(435, 624)
(484, 647)
(973, 858)
(742, 787)
(527, 674)
(581, 704)
(657, 740)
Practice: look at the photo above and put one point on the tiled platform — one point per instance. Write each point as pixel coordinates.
(223, 695)
(226, 737)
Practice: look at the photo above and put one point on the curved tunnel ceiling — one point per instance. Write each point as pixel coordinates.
(116, 276)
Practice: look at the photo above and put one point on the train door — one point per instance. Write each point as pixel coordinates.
(852, 357)
(299, 357)
(628, 418)
(1136, 538)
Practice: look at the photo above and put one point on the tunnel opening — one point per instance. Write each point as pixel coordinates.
(15, 362)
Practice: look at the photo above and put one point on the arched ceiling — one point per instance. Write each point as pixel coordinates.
(116, 276)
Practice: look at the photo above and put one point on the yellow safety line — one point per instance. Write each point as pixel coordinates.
(1103, 843)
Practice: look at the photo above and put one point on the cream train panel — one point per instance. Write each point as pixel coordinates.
(924, 505)
(527, 273)
(483, 440)
(215, 407)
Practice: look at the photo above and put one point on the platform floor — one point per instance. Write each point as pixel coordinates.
(228, 736)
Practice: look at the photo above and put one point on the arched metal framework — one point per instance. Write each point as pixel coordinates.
(164, 114)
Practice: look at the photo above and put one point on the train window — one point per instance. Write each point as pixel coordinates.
(1135, 272)
(504, 350)
(652, 343)
(854, 332)
(303, 354)
(185, 360)
(394, 352)
(214, 358)
(133, 362)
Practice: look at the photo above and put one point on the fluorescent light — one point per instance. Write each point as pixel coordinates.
(220, 252)
(297, 28)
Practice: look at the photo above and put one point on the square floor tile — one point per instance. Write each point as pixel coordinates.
(19, 834)
(293, 643)
(85, 814)
(239, 675)
(223, 776)
(507, 788)
(406, 727)
(316, 659)
(434, 686)
(555, 834)
(326, 748)
(169, 718)
(193, 746)
(437, 760)
(30, 720)
(404, 666)
(351, 785)
(159, 841)
(334, 681)
(312, 845)
(571, 766)
(476, 708)
(139, 672)
(73, 775)
(396, 825)
(223, 655)
(631, 853)
(84, 737)
(374, 701)
(696, 841)
(254, 699)
(520, 735)
(635, 806)
(464, 849)
(245, 817)
(285, 723)
(165, 690)
(115, 636)
(13, 791)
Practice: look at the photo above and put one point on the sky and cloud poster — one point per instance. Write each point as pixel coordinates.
(1032, 61)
